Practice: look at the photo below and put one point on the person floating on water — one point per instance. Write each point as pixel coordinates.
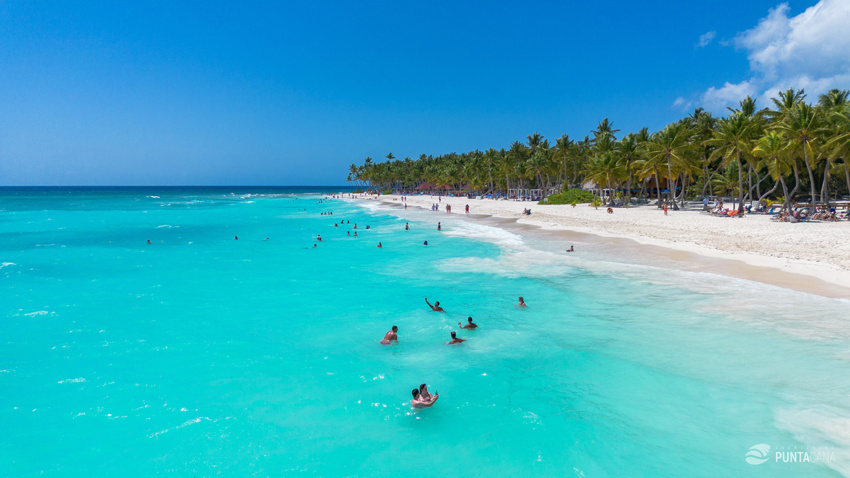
(149, 241)
(319, 237)
(436, 307)
(390, 336)
(470, 324)
(355, 225)
(521, 302)
(348, 232)
(266, 239)
(379, 245)
(235, 238)
(314, 246)
(425, 243)
(418, 402)
(455, 340)
(355, 233)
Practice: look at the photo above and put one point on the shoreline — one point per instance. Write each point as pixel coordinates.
(790, 256)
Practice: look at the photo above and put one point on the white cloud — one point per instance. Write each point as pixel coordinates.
(706, 38)
(682, 104)
(810, 51)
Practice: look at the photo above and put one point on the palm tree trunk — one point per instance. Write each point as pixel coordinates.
(787, 204)
(811, 179)
(796, 184)
(761, 197)
(670, 188)
(740, 184)
(657, 186)
(824, 190)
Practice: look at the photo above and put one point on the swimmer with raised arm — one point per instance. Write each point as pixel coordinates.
(436, 307)
(418, 402)
(455, 340)
(470, 324)
(390, 336)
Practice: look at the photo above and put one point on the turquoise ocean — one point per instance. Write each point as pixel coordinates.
(201, 355)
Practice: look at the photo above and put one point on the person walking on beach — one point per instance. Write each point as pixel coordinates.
(390, 336)
(521, 302)
(665, 208)
(418, 402)
(455, 340)
(436, 307)
(470, 324)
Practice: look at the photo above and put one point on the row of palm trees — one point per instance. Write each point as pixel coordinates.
(751, 154)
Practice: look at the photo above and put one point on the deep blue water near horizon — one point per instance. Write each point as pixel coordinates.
(200, 354)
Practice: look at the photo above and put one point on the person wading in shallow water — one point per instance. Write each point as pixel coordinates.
(390, 336)
(455, 340)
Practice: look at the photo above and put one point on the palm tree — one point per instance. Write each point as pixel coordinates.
(772, 149)
(669, 147)
(606, 169)
(628, 149)
(732, 140)
(801, 128)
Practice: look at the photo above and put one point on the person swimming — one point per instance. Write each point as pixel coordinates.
(379, 245)
(469, 325)
(235, 238)
(418, 402)
(425, 243)
(424, 394)
(571, 249)
(319, 237)
(521, 302)
(455, 340)
(355, 233)
(436, 307)
(149, 241)
(406, 226)
(390, 336)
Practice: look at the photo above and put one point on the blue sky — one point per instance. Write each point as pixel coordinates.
(279, 93)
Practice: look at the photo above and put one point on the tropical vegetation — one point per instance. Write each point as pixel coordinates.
(794, 150)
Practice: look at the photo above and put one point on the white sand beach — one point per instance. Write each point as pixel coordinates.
(817, 249)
